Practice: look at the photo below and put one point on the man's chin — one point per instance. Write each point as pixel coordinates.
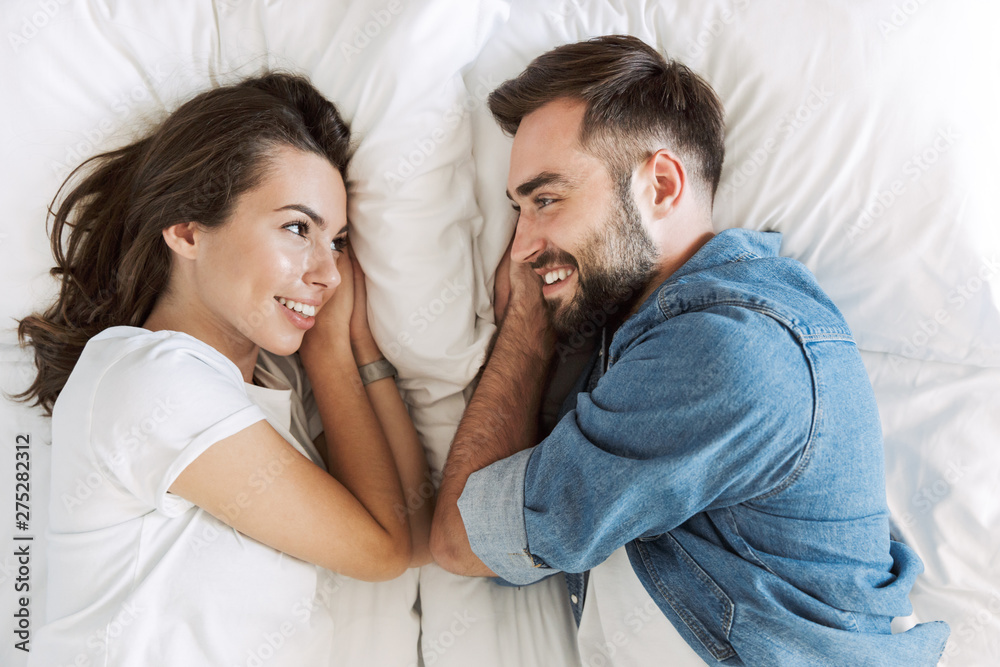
(568, 322)
(581, 318)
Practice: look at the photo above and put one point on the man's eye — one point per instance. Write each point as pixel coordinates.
(517, 209)
(542, 202)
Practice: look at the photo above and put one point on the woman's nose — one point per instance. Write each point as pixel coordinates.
(326, 268)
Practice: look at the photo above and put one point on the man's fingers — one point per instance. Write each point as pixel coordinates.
(501, 286)
(524, 281)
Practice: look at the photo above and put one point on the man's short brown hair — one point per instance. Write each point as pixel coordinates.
(637, 102)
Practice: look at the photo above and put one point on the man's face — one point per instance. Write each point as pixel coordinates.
(577, 228)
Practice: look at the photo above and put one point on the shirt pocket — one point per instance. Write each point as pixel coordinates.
(699, 602)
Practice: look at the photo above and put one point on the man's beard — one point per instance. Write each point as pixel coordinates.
(618, 263)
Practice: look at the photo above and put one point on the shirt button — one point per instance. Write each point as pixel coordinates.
(574, 599)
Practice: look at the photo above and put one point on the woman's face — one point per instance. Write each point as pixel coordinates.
(281, 244)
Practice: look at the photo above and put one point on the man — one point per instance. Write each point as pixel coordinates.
(721, 463)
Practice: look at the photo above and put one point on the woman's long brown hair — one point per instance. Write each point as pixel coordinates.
(111, 260)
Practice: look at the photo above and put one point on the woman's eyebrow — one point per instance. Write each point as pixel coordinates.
(302, 208)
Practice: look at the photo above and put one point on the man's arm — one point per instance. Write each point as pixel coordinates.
(501, 418)
(687, 419)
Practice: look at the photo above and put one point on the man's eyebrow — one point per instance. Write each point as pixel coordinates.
(302, 208)
(543, 179)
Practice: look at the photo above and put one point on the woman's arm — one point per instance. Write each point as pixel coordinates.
(411, 461)
(258, 483)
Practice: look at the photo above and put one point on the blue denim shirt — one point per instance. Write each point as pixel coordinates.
(729, 438)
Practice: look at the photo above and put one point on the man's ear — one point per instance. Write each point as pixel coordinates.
(667, 182)
(183, 238)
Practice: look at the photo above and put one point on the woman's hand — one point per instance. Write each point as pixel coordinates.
(362, 341)
(333, 320)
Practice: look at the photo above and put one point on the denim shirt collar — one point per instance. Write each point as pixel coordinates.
(730, 245)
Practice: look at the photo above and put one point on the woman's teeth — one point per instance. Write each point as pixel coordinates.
(560, 274)
(301, 308)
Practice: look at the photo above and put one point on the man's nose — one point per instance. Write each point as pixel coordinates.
(527, 241)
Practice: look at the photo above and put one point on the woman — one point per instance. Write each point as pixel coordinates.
(193, 520)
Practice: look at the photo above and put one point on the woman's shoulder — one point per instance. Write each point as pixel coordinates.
(125, 368)
(125, 351)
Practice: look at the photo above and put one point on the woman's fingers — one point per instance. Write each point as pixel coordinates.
(360, 287)
(361, 334)
(334, 316)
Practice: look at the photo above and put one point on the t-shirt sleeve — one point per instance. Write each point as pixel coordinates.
(157, 408)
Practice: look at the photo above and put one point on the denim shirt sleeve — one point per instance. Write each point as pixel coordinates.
(705, 410)
(492, 508)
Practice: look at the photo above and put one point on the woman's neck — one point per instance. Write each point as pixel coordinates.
(233, 345)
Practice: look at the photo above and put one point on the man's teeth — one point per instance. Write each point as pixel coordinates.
(553, 276)
(302, 308)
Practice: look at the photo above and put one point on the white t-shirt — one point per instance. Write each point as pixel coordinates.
(621, 626)
(140, 576)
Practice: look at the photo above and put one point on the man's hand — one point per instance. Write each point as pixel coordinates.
(517, 283)
(527, 316)
(502, 416)
(501, 286)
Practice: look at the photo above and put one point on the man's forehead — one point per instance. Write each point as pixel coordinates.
(547, 148)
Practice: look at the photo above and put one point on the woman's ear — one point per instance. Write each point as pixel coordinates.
(183, 238)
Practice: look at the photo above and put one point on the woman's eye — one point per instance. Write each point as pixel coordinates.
(302, 225)
(339, 243)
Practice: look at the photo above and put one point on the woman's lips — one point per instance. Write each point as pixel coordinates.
(298, 319)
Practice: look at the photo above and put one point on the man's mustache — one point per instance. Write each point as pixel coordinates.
(554, 258)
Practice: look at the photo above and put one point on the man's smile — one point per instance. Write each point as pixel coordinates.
(554, 280)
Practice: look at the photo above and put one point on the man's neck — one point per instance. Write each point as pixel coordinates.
(667, 267)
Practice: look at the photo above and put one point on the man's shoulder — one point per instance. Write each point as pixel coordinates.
(744, 342)
(780, 288)
(721, 350)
